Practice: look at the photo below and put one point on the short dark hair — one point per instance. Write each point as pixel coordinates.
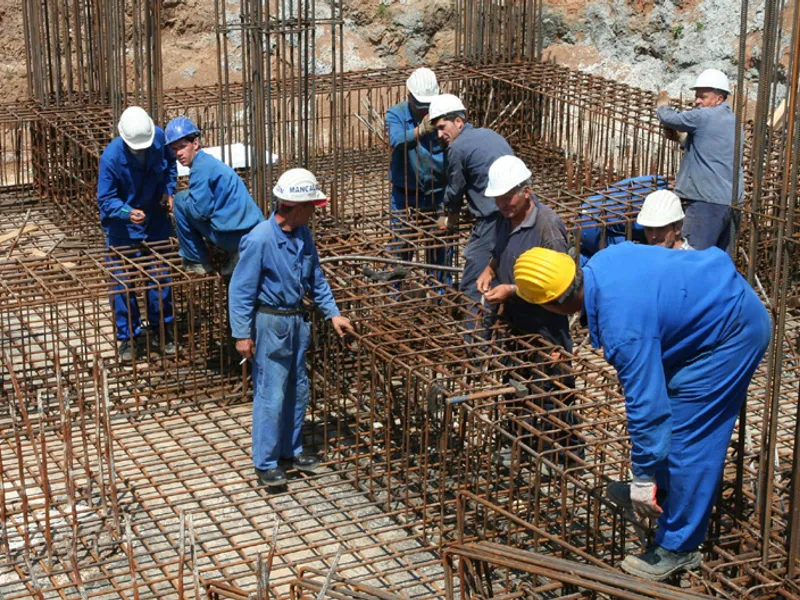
(574, 289)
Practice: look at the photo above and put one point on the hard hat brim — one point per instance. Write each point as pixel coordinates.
(498, 191)
(422, 99)
(318, 197)
(140, 145)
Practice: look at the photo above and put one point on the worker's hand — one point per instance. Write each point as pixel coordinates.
(662, 99)
(670, 134)
(425, 127)
(499, 294)
(246, 348)
(166, 201)
(343, 326)
(137, 216)
(484, 283)
(643, 497)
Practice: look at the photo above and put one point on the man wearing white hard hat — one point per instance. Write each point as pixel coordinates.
(135, 182)
(470, 153)
(705, 178)
(416, 171)
(662, 217)
(278, 266)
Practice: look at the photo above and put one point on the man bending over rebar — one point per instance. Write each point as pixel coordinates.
(217, 206)
(705, 179)
(135, 183)
(685, 333)
(278, 266)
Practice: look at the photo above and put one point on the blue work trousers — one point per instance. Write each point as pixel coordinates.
(477, 255)
(706, 396)
(430, 203)
(158, 290)
(280, 387)
(707, 225)
(193, 233)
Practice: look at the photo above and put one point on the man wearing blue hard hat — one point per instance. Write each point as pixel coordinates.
(217, 206)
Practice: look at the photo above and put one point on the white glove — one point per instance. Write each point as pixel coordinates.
(643, 497)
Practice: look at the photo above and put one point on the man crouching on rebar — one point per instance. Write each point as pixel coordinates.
(685, 333)
(278, 265)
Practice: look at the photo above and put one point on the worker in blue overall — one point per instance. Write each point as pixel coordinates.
(278, 266)
(685, 333)
(217, 206)
(416, 170)
(470, 153)
(135, 183)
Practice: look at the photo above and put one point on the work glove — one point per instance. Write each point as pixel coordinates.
(643, 497)
(425, 127)
(662, 100)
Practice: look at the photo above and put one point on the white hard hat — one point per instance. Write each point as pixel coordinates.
(136, 128)
(423, 85)
(712, 78)
(506, 173)
(299, 185)
(444, 105)
(660, 208)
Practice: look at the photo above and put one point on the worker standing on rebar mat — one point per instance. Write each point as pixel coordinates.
(470, 153)
(278, 266)
(705, 178)
(216, 207)
(135, 183)
(416, 170)
(685, 333)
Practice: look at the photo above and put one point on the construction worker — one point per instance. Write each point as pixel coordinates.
(216, 207)
(685, 333)
(416, 171)
(470, 153)
(705, 178)
(135, 183)
(278, 266)
(662, 218)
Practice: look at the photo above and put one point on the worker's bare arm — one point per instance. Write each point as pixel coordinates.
(343, 326)
(246, 348)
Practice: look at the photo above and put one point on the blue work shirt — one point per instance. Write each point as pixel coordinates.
(469, 157)
(654, 310)
(706, 171)
(276, 269)
(218, 195)
(124, 183)
(416, 164)
(543, 228)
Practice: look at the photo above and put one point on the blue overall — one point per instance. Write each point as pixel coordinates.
(217, 207)
(686, 333)
(276, 270)
(124, 183)
(604, 208)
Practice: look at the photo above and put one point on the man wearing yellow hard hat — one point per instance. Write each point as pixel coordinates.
(685, 333)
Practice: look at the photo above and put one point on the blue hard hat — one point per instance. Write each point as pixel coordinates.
(179, 128)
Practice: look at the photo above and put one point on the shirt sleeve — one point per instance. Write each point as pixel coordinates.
(108, 195)
(687, 120)
(321, 292)
(647, 406)
(456, 183)
(554, 236)
(398, 131)
(243, 292)
(202, 197)
(171, 173)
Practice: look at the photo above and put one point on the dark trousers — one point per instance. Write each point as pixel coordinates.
(707, 225)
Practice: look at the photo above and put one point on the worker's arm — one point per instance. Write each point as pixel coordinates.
(202, 198)
(484, 282)
(398, 130)
(321, 292)
(456, 182)
(687, 120)
(243, 292)
(108, 194)
(641, 373)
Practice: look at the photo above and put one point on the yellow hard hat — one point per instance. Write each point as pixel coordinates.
(542, 275)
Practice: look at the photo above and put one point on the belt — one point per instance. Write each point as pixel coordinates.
(285, 312)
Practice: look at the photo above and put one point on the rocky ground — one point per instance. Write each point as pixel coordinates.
(653, 44)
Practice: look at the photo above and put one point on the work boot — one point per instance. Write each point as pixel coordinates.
(230, 264)
(306, 462)
(658, 563)
(125, 351)
(271, 477)
(197, 268)
(169, 341)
